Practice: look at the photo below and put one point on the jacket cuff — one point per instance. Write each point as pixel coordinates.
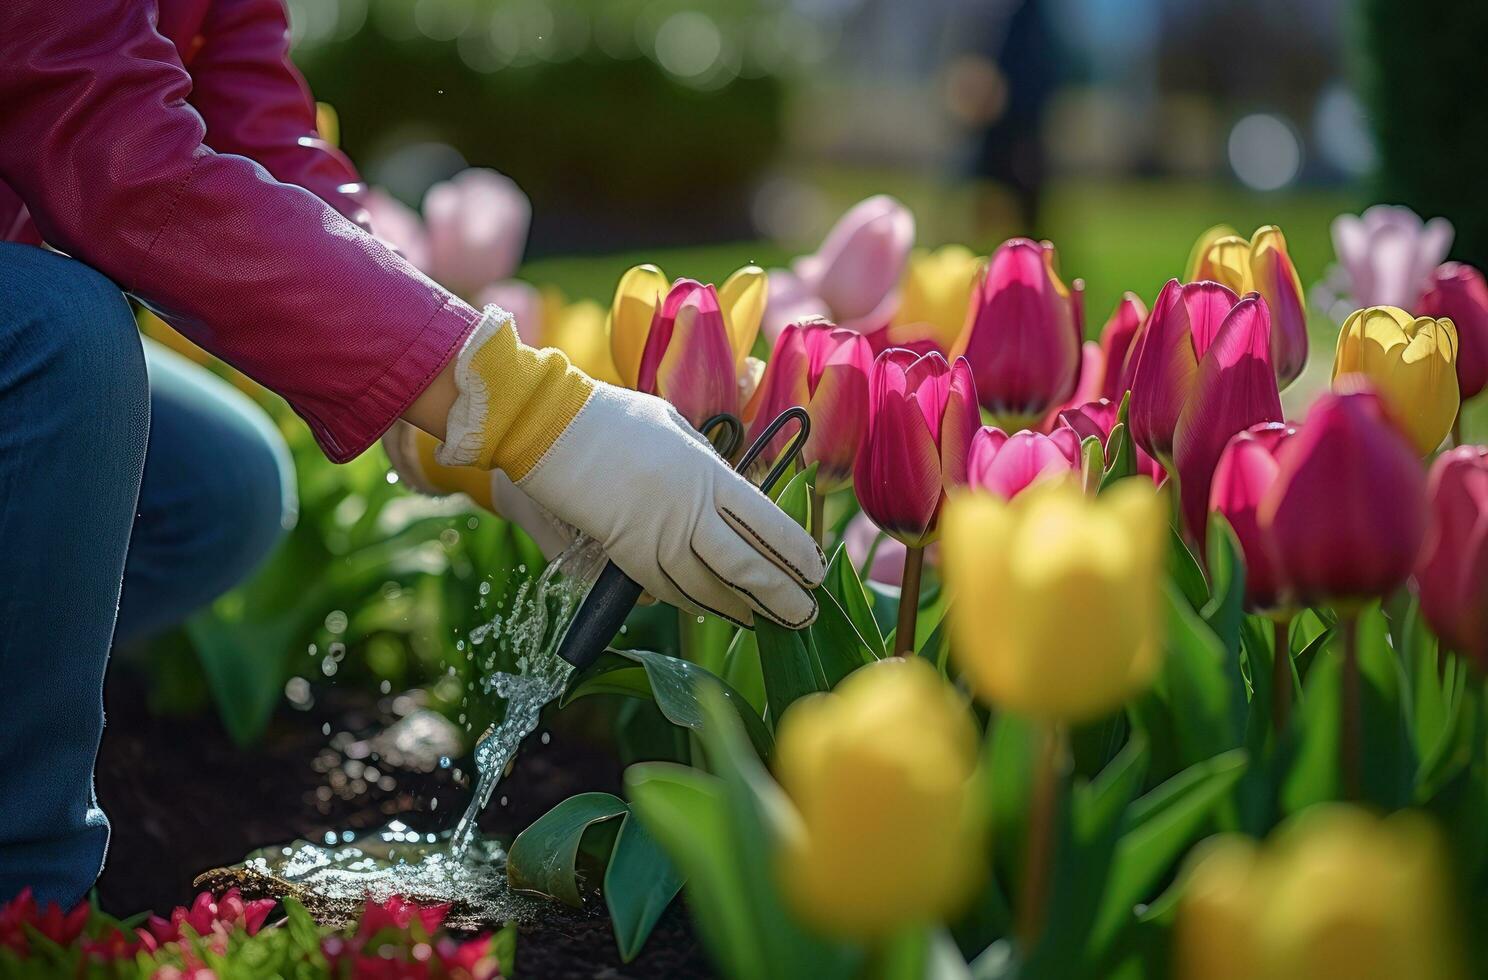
(362, 421)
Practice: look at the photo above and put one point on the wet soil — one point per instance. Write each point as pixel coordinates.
(182, 799)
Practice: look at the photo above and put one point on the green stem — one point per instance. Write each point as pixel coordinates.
(1281, 675)
(1351, 734)
(1038, 857)
(818, 514)
(909, 602)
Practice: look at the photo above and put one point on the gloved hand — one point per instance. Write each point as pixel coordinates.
(627, 470)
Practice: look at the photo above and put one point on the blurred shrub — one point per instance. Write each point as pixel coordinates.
(1423, 72)
(604, 140)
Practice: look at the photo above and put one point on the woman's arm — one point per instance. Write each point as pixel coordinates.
(255, 103)
(98, 138)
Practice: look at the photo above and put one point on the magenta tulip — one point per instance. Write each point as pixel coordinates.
(922, 415)
(1097, 419)
(1004, 464)
(1458, 292)
(825, 369)
(1022, 337)
(1452, 578)
(477, 227)
(1117, 342)
(853, 279)
(1234, 389)
(1247, 468)
(1346, 514)
(688, 358)
(1183, 322)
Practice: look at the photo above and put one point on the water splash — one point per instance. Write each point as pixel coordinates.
(539, 615)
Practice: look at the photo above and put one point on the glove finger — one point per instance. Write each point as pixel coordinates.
(736, 565)
(770, 531)
(704, 591)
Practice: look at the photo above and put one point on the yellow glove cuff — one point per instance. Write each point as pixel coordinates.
(514, 401)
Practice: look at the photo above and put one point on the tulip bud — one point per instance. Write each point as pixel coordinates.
(1387, 254)
(922, 415)
(1452, 578)
(889, 755)
(1004, 464)
(1336, 894)
(1346, 513)
(1097, 419)
(1235, 388)
(1458, 293)
(1410, 362)
(1022, 336)
(1183, 322)
(935, 296)
(1117, 341)
(1260, 265)
(1247, 468)
(824, 369)
(853, 278)
(477, 225)
(688, 343)
(1057, 610)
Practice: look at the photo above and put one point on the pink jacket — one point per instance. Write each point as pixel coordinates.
(171, 145)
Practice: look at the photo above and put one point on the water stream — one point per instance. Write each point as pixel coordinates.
(332, 877)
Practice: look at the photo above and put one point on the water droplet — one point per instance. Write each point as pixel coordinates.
(386, 687)
(335, 621)
(547, 737)
(392, 476)
(325, 729)
(485, 588)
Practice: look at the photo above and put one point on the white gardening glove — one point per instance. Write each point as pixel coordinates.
(628, 471)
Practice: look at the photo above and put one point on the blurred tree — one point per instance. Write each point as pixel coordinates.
(1424, 76)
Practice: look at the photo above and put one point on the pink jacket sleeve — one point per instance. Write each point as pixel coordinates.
(255, 103)
(98, 139)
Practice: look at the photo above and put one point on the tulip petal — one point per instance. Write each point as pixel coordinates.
(1235, 388)
(637, 297)
(1116, 342)
(1459, 293)
(1246, 470)
(1207, 303)
(696, 367)
(1276, 279)
(1199, 254)
(1005, 465)
(1164, 375)
(743, 298)
(959, 423)
(898, 474)
(862, 258)
(784, 383)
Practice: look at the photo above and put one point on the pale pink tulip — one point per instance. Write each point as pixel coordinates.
(477, 226)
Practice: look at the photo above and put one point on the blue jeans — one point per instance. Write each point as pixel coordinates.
(134, 488)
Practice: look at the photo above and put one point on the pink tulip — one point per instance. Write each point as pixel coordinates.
(1097, 418)
(887, 568)
(853, 278)
(523, 301)
(1452, 578)
(1247, 469)
(1459, 292)
(922, 415)
(477, 227)
(1117, 340)
(1346, 514)
(1004, 464)
(400, 226)
(1022, 337)
(688, 358)
(1234, 389)
(825, 369)
(1183, 322)
(1387, 255)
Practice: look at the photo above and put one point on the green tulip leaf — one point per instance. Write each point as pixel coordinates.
(1226, 606)
(673, 684)
(639, 883)
(544, 857)
(789, 666)
(1121, 452)
(1185, 571)
(846, 587)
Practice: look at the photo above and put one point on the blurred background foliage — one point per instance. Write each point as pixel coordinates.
(703, 134)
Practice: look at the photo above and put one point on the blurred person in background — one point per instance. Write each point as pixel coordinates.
(166, 149)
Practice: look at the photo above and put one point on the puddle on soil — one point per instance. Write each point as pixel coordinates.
(334, 876)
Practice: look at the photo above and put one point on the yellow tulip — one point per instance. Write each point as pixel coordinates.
(578, 329)
(1263, 265)
(880, 772)
(1337, 894)
(936, 294)
(1057, 610)
(1411, 362)
(328, 123)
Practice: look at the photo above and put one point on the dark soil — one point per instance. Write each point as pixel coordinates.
(182, 799)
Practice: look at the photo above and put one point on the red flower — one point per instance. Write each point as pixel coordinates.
(22, 911)
(112, 946)
(206, 916)
(399, 913)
